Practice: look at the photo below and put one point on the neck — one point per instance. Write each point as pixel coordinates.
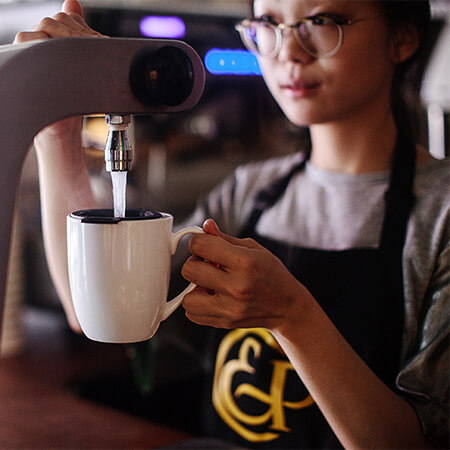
(354, 146)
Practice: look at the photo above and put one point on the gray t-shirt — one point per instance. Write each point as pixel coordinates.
(334, 211)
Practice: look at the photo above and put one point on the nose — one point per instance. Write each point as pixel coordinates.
(291, 50)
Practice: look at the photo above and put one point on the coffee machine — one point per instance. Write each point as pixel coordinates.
(45, 81)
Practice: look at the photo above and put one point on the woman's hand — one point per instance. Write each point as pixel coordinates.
(68, 23)
(240, 284)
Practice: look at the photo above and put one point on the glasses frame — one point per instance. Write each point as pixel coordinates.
(279, 28)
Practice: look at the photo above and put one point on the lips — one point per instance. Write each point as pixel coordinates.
(300, 89)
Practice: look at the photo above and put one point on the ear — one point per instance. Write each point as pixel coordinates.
(405, 42)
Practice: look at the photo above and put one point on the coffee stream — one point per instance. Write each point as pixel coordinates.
(119, 185)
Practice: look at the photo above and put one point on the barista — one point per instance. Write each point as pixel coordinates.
(335, 290)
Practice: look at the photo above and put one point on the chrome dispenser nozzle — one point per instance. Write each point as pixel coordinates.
(118, 149)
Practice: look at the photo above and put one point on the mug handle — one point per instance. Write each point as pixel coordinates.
(173, 304)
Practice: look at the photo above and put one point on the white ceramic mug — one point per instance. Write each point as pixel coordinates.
(119, 271)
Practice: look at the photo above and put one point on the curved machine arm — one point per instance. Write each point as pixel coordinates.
(44, 81)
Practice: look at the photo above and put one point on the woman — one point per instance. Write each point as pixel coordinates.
(335, 290)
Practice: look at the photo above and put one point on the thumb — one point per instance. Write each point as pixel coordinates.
(72, 6)
(210, 227)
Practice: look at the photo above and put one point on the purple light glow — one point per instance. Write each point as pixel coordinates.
(162, 27)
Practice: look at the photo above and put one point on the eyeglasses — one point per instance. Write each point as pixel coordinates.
(319, 35)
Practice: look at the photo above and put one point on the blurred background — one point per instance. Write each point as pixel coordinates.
(179, 157)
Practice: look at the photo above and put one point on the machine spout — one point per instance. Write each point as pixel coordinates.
(118, 149)
(44, 81)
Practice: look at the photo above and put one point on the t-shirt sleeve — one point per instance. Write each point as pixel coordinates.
(424, 378)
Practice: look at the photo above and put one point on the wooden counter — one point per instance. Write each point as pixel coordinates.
(38, 410)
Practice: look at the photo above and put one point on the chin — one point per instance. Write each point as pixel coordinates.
(300, 119)
(300, 123)
(305, 115)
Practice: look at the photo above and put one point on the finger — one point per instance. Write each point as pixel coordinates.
(80, 20)
(205, 320)
(213, 310)
(62, 28)
(211, 227)
(26, 36)
(230, 253)
(74, 9)
(214, 250)
(72, 20)
(204, 274)
(72, 6)
(202, 307)
(76, 22)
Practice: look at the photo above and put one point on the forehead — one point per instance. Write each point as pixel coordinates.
(305, 7)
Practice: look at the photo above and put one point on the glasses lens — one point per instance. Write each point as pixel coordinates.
(319, 36)
(260, 37)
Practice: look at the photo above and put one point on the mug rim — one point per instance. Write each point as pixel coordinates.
(106, 215)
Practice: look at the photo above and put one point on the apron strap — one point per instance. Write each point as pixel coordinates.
(399, 198)
(268, 196)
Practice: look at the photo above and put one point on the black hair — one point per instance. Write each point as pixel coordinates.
(409, 74)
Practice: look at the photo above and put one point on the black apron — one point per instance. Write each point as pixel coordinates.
(258, 399)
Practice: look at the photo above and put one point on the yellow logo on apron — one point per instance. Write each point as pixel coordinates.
(251, 342)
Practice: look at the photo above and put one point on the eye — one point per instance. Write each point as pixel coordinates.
(267, 18)
(326, 19)
(317, 20)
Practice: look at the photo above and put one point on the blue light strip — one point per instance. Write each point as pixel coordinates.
(169, 27)
(231, 62)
